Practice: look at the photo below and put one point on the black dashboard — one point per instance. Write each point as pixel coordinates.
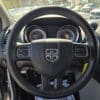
(49, 27)
(46, 27)
(56, 27)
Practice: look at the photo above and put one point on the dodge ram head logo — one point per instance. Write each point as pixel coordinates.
(52, 55)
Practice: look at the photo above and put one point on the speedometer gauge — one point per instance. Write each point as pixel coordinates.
(68, 32)
(34, 32)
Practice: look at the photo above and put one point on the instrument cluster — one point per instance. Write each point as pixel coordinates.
(34, 32)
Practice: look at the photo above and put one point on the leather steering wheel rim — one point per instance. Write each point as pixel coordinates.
(26, 20)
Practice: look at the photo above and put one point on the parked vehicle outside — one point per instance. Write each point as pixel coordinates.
(88, 7)
(95, 14)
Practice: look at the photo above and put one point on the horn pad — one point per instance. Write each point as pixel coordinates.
(51, 57)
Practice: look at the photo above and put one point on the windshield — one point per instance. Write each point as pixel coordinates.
(18, 8)
(89, 9)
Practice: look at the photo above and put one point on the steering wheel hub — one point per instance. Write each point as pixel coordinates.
(51, 56)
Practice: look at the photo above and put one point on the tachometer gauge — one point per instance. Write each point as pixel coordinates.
(68, 32)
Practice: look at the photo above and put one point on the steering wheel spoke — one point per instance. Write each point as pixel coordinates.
(45, 85)
(55, 83)
(23, 51)
(81, 52)
(58, 82)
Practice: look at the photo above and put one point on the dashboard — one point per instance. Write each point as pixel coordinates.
(46, 27)
(57, 27)
(49, 27)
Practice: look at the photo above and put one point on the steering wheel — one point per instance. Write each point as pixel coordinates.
(51, 57)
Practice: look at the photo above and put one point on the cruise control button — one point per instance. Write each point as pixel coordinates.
(22, 52)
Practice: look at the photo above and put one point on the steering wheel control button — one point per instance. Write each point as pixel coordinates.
(52, 55)
(81, 51)
(23, 52)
